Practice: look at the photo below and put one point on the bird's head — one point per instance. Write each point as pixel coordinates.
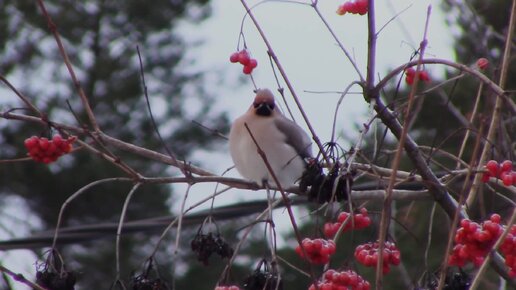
(264, 103)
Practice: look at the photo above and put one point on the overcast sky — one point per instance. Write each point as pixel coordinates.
(311, 59)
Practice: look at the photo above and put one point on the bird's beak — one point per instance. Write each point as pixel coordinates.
(263, 109)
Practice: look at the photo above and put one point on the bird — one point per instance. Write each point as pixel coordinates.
(285, 144)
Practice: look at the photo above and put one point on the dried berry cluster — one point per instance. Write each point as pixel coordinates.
(207, 244)
(452, 281)
(230, 287)
(244, 59)
(341, 280)
(361, 219)
(40, 149)
(474, 241)
(410, 74)
(263, 279)
(501, 171)
(322, 186)
(367, 254)
(354, 7)
(56, 281)
(144, 283)
(318, 251)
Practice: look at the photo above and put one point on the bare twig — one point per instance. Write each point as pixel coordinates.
(24, 99)
(20, 278)
(386, 212)
(77, 194)
(75, 80)
(286, 200)
(498, 91)
(339, 43)
(495, 119)
(471, 119)
(287, 82)
(120, 225)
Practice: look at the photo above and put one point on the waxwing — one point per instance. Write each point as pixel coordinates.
(285, 144)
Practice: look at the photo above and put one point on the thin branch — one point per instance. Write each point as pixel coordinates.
(498, 91)
(75, 80)
(153, 120)
(471, 119)
(287, 81)
(24, 99)
(77, 194)
(386, 212)
(371, 47)
(499, 103)
(339, 43)
(20, 278)
(286, 200)
(119, 229)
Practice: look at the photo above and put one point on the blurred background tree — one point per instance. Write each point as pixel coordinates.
(101, 38)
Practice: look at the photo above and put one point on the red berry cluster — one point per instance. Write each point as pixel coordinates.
(317, 250)
(357, 7)
(367, 254)
(502, 171)
(474, 241)
(47, 151)
(231, 287)
(244, 59)
(482, 63)
(362, 220)
(343, 280)
(508, 250)
(410, 74)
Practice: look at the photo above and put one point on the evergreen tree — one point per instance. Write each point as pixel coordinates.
(101, 38)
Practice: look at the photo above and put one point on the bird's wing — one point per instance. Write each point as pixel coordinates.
(296, 136)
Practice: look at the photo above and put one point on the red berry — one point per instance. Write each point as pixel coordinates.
(507, 178)
(495, 218)
(483, 236)
(464, 223)
(492, 166)
(485, 177)
(243, 57)
(328, 230)
(247, 70)
(362, 6)
(410, 71)
(352, 8)
(482, 63)
(409, 75)
(43, 143)
(423, 75)
(342, 9)
(252, 63)
(506, 166)
(234, 57)
(342, 216)
(31, 142)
